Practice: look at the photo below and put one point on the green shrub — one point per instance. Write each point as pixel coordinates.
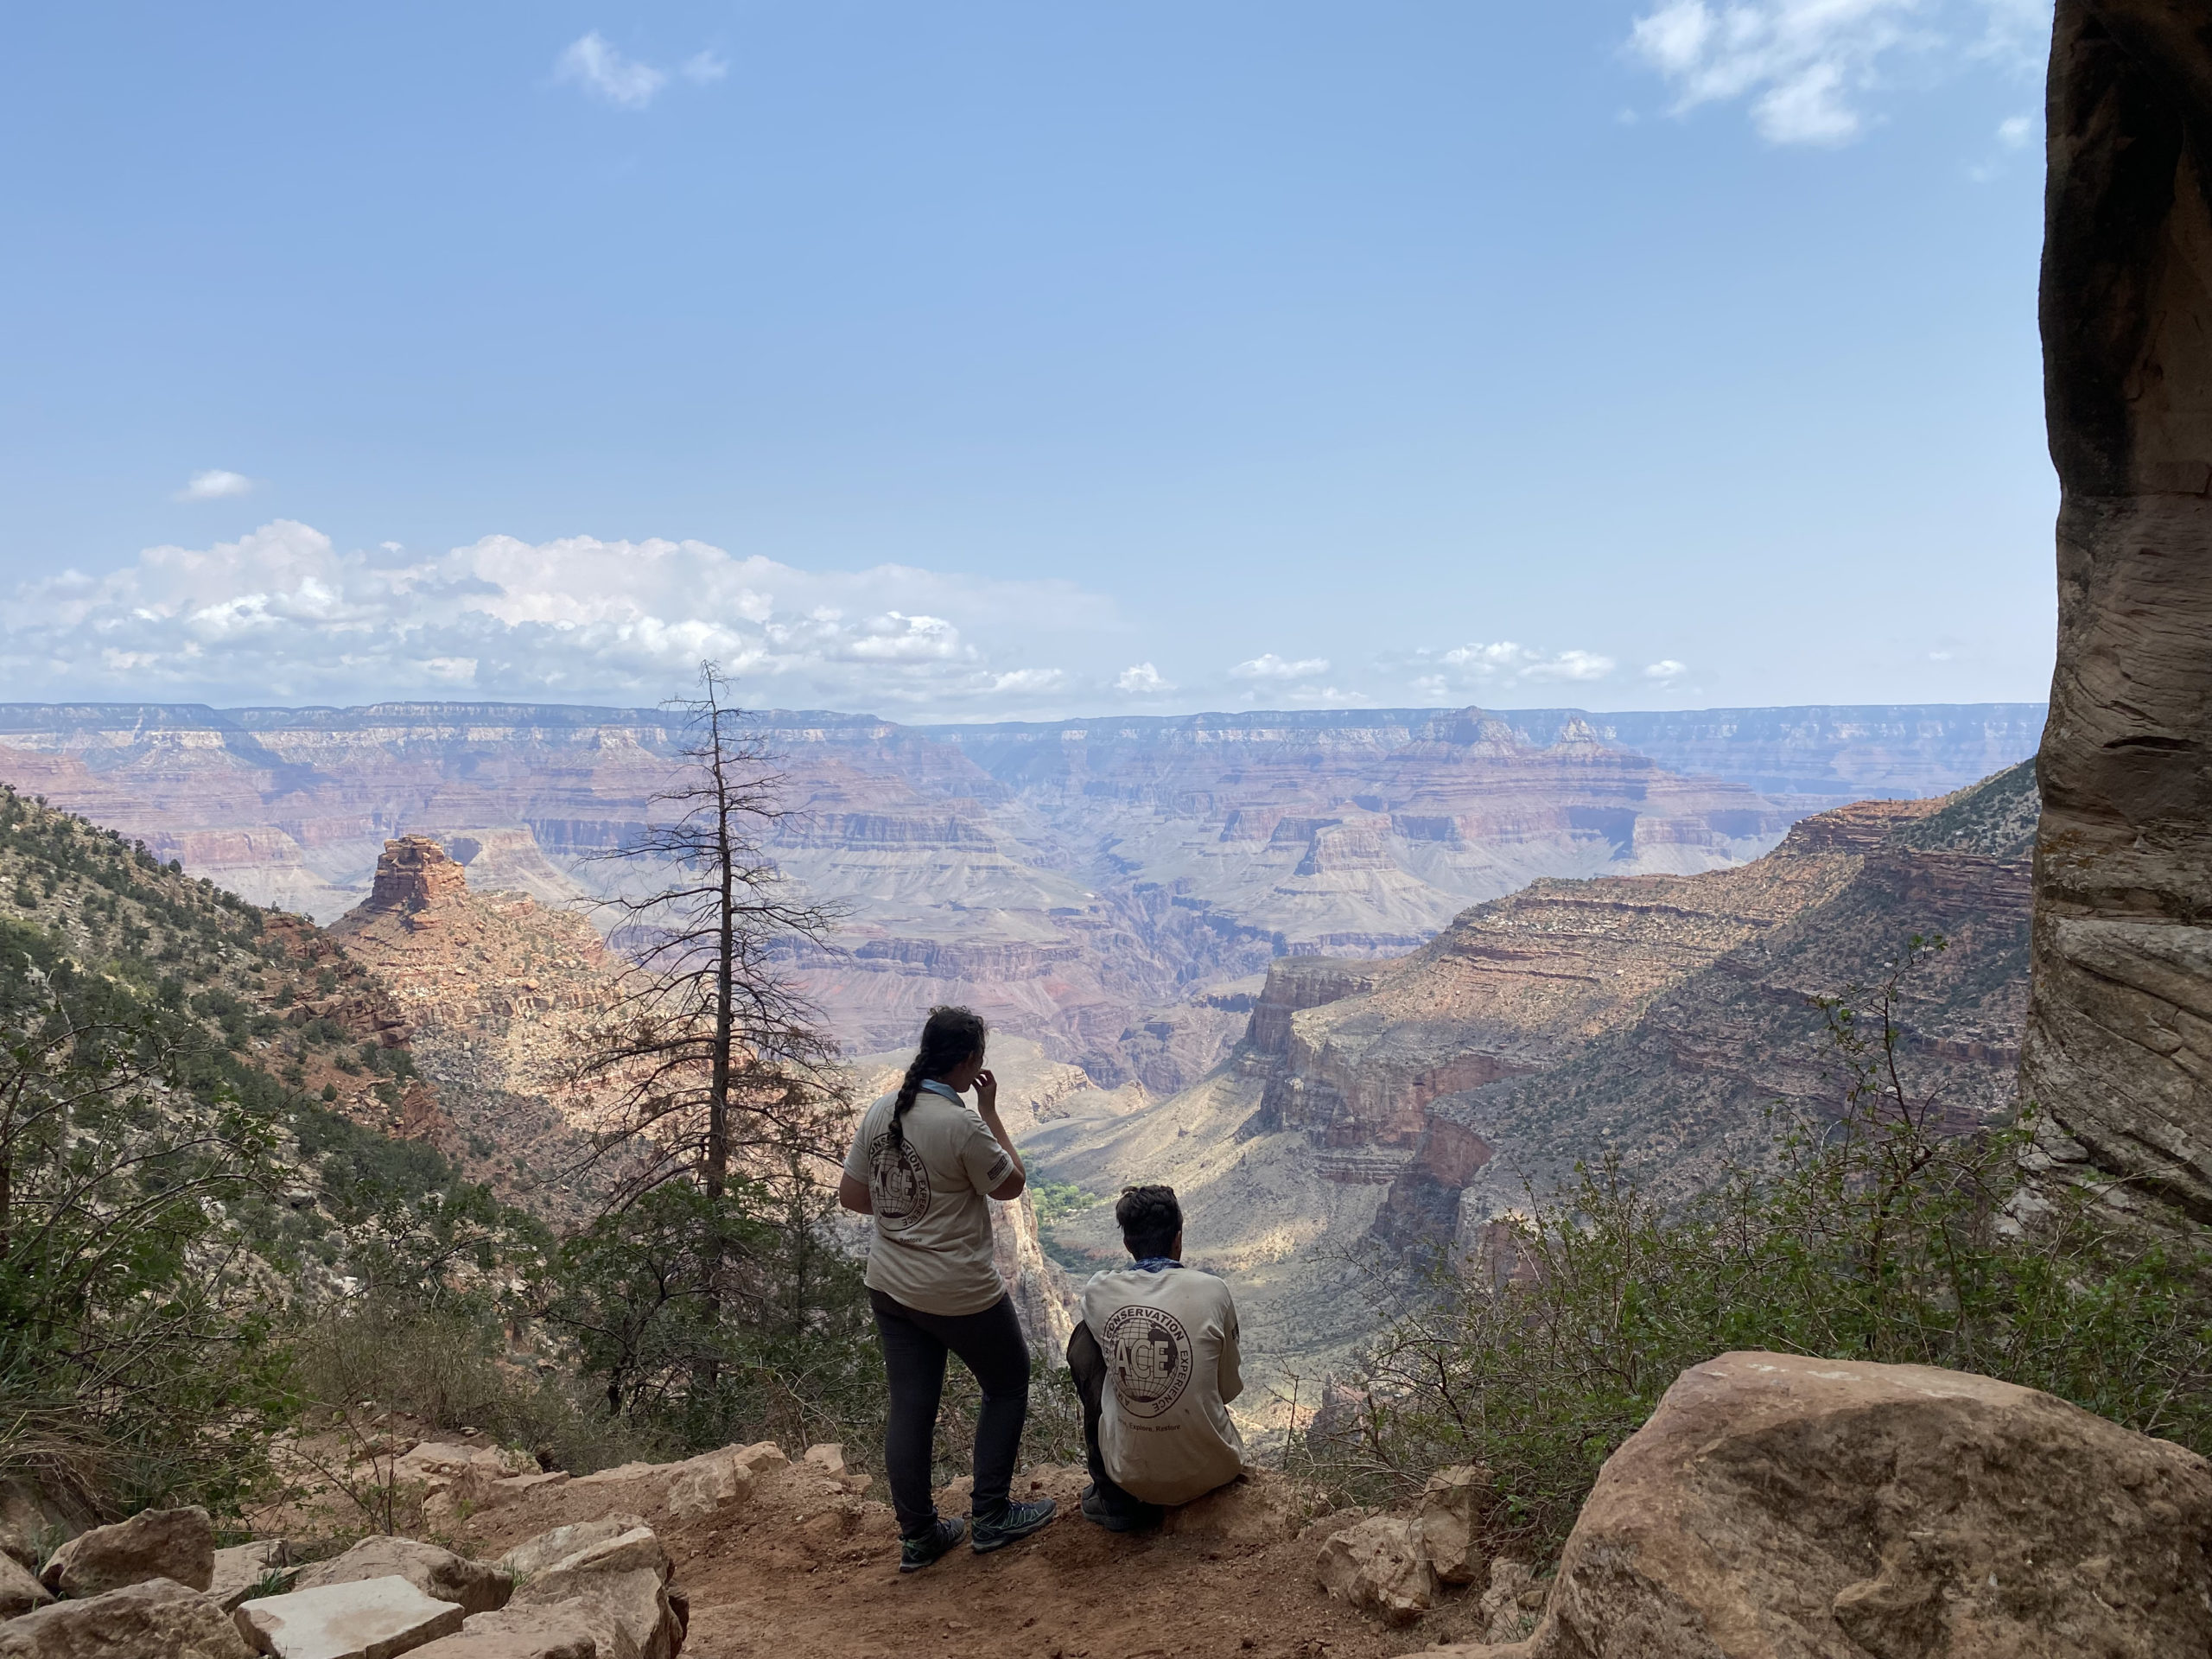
(1874, 1234)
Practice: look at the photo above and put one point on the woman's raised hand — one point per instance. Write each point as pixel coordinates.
(987, 1093)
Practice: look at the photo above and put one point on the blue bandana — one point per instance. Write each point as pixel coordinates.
(1154, 1263)
(951, 1094)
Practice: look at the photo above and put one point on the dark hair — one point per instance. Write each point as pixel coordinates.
(1150, 1219)
(950, 1035)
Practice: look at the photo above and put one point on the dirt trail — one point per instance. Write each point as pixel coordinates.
(808, 1570)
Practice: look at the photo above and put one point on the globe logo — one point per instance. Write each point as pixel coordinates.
(898, 1182)
(1149, 1353)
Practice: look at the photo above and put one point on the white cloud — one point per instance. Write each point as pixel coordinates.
(1269, 666)
(2014, 131)
(606, 74)
(1666, 670)
(1142, 680)
(280, 615)
(1808, 66)
(1508, 662)
(214, 485)
(705, 69)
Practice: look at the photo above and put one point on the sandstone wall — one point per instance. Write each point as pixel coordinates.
(2119, 1039)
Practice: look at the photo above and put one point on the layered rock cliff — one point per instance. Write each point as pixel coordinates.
(1391, 1107)
(2118, 1046)
(1109, 887)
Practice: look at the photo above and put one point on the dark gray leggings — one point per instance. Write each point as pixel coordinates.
(991, 1345)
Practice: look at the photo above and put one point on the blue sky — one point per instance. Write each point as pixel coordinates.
(975, 360)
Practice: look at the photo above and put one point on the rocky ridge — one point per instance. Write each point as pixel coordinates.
(1104, 887)
(494, 988)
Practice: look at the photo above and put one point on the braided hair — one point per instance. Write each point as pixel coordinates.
(949, 1036)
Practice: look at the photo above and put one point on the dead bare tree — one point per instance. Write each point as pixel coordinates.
(712, 1059)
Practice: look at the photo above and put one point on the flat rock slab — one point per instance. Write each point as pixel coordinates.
(369, 1618)
(174, 1544)
(520, 1633)
(158, 1619)
(534, 1557)
(438, 1573)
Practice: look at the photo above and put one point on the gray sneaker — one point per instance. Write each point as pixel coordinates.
(915, 1553)
(1017, 1523)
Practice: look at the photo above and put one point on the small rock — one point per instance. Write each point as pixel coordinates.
(156, 1619)
(707, 1483)
(1378, 1565)
(1504, 1605)
(20, 1593)
(178, 1544)
(762, 1457)
(830, 1459)
(241, 1569)
(438, 1573)
(369, 1618)
(1449, 1521)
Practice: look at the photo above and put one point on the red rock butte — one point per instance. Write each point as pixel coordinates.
(415, 874)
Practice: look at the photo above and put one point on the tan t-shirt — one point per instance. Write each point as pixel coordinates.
(932, 1249)
(1170, 1342)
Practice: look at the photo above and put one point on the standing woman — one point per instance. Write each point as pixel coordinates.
(922, 1164)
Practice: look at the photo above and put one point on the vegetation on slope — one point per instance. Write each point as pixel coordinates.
(1874, 1232)
(209, 1232)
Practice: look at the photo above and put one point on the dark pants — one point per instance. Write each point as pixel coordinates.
(1088, 1365)
(990, 1344)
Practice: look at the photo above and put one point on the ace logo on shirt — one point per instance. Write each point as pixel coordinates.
(1150, 1354)
(899, 1182)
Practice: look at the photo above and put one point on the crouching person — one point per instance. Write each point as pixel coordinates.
(1155, 1361)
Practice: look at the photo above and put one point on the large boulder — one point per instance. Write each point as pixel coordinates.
(2118, 1045)
(439, 1573)
(367, 1618)
(629, 1615)
(174, 1544)
(157, 1619)
(1776, 1507)
(608, 1576)
(1377, 1565)
(20, 1593)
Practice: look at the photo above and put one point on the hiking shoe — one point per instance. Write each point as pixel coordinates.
(1096, 1511)
(1017, 1523)
(915, 1553)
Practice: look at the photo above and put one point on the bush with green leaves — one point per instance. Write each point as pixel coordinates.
(1881, 1232)
(138, 1350)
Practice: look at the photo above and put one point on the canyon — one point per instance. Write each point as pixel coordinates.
(1357, 983)
(1113, 889)
(1379, 1114)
